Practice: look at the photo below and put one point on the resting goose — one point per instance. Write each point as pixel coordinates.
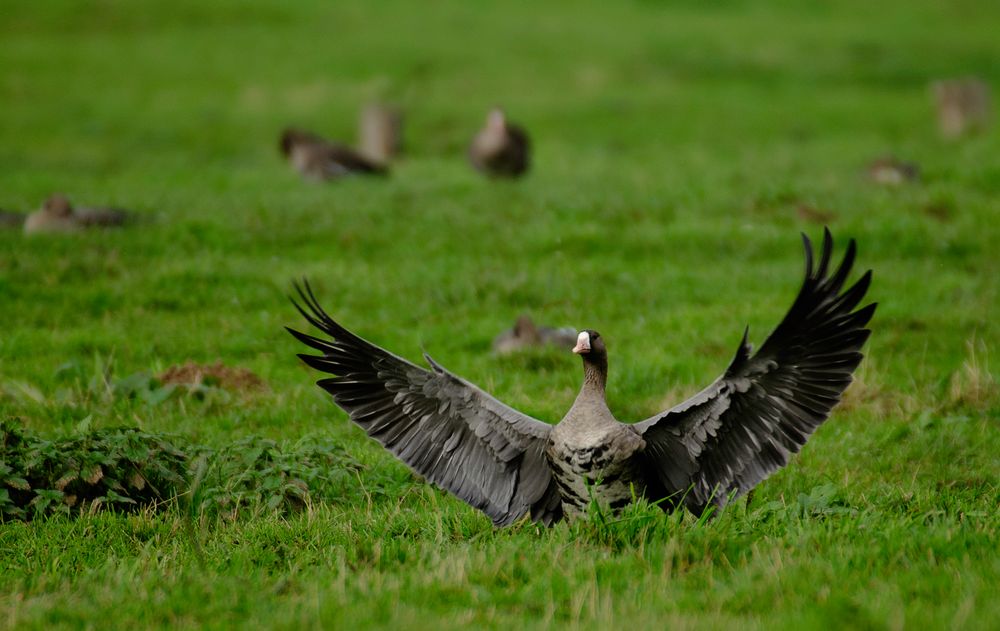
(316, 158)
(57, 214)
(711, 448)
(892, 171)
(501, 148)
(963, 106)
(527, 334)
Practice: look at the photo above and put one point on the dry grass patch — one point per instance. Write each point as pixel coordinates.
(217, 375)
(974, 385)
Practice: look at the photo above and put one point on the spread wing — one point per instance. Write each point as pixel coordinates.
(746, 425)
(446, 429)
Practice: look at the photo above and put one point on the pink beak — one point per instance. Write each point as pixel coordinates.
(582, 343)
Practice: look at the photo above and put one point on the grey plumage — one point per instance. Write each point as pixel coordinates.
(594, 458)
(718, 444)
(746, 425)
(316, 158)
(446, 429)
(102, 217)
(57, 214)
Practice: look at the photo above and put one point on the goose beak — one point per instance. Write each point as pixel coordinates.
(582, 343)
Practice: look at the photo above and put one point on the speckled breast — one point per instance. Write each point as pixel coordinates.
(605, 470)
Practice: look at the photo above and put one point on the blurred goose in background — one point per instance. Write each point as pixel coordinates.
(316, 158)
(10, 219)
(892, 171)
(57, 214)
(380, 132)
(717, 445)
(500, 149)
(812, 214)
(526, 334)
(963, 106)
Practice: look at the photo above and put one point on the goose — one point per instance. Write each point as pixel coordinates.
(892, 171)
(526, 333)
(57, 214)
(963, 106)
(500, 148)
(316, 158)
(700, 454)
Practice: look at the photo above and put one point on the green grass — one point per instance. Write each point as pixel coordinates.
(674, 143)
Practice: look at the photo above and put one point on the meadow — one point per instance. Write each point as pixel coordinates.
(680, 149)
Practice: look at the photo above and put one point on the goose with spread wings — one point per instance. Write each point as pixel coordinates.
(702, 453)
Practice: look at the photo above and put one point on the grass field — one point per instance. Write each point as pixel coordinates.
(675, 146)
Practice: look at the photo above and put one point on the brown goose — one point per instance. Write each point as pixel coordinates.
(57, 214)
(501, 148)
(717, 445)
(527, 334)
(963, 106)
(316, 158)
(892, 171)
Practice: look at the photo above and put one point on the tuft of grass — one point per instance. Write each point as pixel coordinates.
(974, 385)
(194, 376)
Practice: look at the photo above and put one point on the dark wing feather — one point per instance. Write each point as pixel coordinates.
(340, 159)
(446, 429)
(745, 426)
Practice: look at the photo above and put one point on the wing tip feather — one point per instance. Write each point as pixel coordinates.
(807, 244)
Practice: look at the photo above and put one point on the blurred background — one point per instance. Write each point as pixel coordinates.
(678, 151)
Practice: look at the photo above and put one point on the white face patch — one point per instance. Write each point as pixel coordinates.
(496, 120)
(582, 343)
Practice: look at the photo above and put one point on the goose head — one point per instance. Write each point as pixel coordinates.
(525, 329)
(58, 205)
(588, 342)
(291, 137)
(493, 136)
(496, 121)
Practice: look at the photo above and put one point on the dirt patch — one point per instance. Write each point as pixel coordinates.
(218, 375)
